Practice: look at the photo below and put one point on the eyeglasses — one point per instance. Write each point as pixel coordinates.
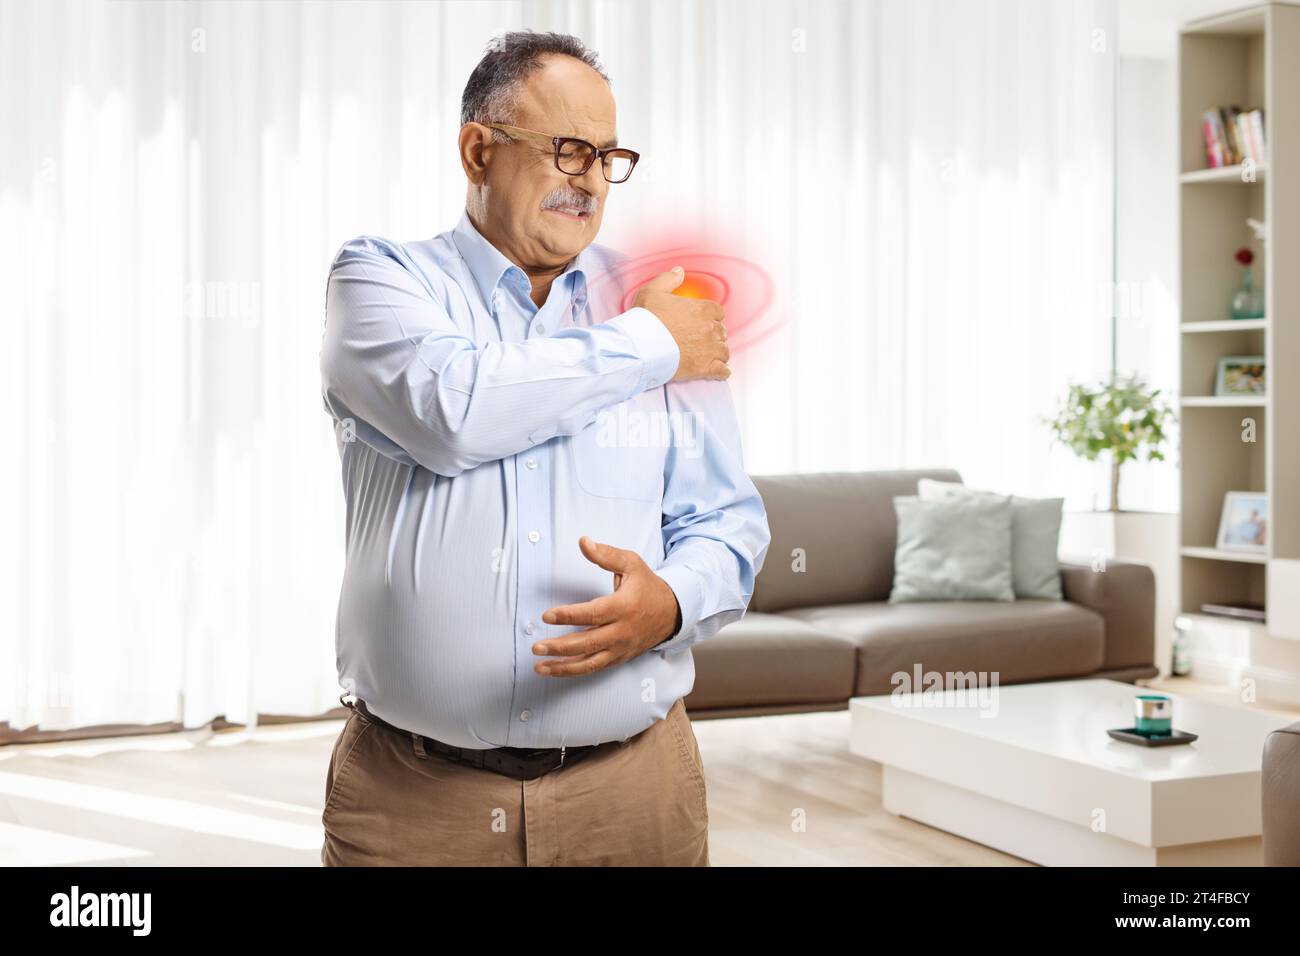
(575, 156)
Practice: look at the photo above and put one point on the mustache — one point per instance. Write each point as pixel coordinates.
(566, 197)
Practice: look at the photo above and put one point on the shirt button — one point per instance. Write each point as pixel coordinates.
(531, 463)
(541, 330)
(524, 715)
(534, 537)
(529, 628)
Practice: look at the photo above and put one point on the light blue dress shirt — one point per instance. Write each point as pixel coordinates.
(480, 437)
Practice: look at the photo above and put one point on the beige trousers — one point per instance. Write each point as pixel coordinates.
(636, 802)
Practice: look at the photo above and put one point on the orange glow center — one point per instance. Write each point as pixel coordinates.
(698, 285)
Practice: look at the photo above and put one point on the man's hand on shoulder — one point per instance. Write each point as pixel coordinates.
(641, 613)
(696, 325)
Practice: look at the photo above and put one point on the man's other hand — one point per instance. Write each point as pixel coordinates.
(695, 324)
(641, 613)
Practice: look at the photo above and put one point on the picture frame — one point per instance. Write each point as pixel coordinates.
(1243, 524)
(1239, 375)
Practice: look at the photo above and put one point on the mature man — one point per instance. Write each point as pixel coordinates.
(546, 508)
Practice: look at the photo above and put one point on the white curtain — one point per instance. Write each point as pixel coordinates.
(926, 184)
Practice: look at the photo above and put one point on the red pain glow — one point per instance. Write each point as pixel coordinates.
(742, 289)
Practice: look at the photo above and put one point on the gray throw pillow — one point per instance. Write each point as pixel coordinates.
(1035, 537)
(953, 549)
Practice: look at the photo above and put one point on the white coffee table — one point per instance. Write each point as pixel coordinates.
(1028, 769)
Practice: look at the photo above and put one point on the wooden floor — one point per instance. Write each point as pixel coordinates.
(783, 791)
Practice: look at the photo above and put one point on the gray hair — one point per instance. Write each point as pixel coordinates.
(492, 88)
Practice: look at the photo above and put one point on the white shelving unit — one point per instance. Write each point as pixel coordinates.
(1248, 58)
(1227, 325)
(1224, 401)
(1223, 174)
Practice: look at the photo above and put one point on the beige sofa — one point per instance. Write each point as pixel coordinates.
(813, 638)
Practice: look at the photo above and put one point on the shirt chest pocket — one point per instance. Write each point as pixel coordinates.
(621, 454)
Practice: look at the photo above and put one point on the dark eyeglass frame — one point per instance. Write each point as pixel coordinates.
(557, 142)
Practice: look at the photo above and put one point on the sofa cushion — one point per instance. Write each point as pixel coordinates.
(769, 659)
(953, 549)
(1020, 640)
(842, 526)
(1035, 537)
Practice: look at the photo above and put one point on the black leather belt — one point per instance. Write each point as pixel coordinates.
(519, 763)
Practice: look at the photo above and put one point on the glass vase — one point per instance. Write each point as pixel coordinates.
(1248, 301)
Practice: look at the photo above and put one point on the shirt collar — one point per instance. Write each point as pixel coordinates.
(490, 267)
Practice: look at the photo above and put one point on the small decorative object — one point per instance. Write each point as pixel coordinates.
(1154, 713)
(1181, 664)
(1122, 417)
(1243, 526)
(1155, 723)
(1240, 375)
(1247, 301)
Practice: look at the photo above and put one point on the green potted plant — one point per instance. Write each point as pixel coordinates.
(1122, 418)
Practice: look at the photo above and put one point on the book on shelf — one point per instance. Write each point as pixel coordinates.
(1244, 611)
(1233, 136)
